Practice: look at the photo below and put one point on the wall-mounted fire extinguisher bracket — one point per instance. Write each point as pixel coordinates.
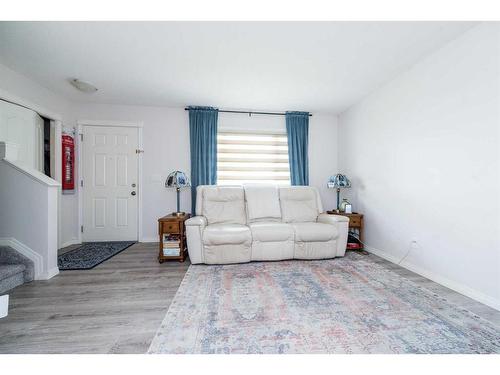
(68, 163)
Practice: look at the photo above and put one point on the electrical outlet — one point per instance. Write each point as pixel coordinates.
(413, 246)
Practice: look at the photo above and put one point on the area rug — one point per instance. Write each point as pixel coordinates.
(90, 254)
(343, 305)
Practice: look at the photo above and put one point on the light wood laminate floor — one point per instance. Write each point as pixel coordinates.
(115, 307)
(118, 306)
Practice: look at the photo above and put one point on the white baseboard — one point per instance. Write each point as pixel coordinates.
(74, 241)
(27, 252)
(457, 287)
(148, 240)
(49, 274)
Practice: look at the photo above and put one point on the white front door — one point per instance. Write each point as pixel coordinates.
(110, 183)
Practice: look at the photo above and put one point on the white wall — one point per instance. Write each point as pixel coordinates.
(22, 129)
(25, 91)
(28, 215)
(22, 90)
(323, 162)
(166, 145)
(423, 156)
(322, 144)
(166, 148)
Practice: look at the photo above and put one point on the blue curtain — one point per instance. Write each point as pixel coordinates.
(297, 131)
(203, 143)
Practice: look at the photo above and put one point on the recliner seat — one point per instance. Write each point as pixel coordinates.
(239, 224)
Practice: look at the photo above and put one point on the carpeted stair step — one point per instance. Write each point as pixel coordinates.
(15, 269)
(11, 275)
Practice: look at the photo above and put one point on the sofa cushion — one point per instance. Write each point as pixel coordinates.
(298, 204)
(271, 231)
(225, 234)
(314, 232)
(315, 250)
(224, 205)
(262, 202)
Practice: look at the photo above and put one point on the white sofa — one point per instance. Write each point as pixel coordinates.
(239, 224)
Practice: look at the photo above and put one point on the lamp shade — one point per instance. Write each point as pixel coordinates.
(177, 179)
(338, 181)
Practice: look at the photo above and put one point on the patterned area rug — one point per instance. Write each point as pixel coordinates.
(344, 305)
(90, 255)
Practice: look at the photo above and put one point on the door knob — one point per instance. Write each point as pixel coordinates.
(132, 193)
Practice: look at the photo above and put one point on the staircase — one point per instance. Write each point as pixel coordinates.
(15, 269)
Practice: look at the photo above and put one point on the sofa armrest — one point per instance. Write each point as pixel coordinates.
(194, 238)
(200, 221)
(342, 225)
(332, 219)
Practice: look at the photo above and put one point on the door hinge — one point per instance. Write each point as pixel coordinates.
(81, 183)
(139, 151)
(81, 137)
(81, 228)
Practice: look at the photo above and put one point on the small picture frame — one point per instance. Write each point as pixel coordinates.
(348, 209)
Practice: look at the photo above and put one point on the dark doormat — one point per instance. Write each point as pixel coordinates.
(90, 254)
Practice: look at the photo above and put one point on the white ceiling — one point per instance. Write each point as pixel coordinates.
(317, 67)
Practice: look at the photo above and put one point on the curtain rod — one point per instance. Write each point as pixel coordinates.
(250, 113)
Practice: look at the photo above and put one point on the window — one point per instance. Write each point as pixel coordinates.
(255, 157)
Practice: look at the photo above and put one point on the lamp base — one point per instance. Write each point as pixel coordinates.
(178, 214)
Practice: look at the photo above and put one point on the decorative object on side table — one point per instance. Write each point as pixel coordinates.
(177, 180)
(356, 226)
(343, 206)
(339, 181)
(172, 232)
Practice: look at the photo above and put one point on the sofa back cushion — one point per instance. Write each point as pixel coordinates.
(299, 204)
(262, 203)
(223, 205)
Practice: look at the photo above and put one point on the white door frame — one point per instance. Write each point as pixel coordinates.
(56, 128)
(79, 157)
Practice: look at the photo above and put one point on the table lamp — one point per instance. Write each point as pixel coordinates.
(177, 180)
(337, 182)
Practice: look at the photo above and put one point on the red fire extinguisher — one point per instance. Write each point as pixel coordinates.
(68, 163)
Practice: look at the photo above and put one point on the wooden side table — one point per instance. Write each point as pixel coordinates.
(355, 222)
(174, 225)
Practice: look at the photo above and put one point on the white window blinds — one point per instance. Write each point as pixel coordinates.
(253, 157)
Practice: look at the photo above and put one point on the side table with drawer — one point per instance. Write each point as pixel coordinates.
(174, 225)
(355, 222)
